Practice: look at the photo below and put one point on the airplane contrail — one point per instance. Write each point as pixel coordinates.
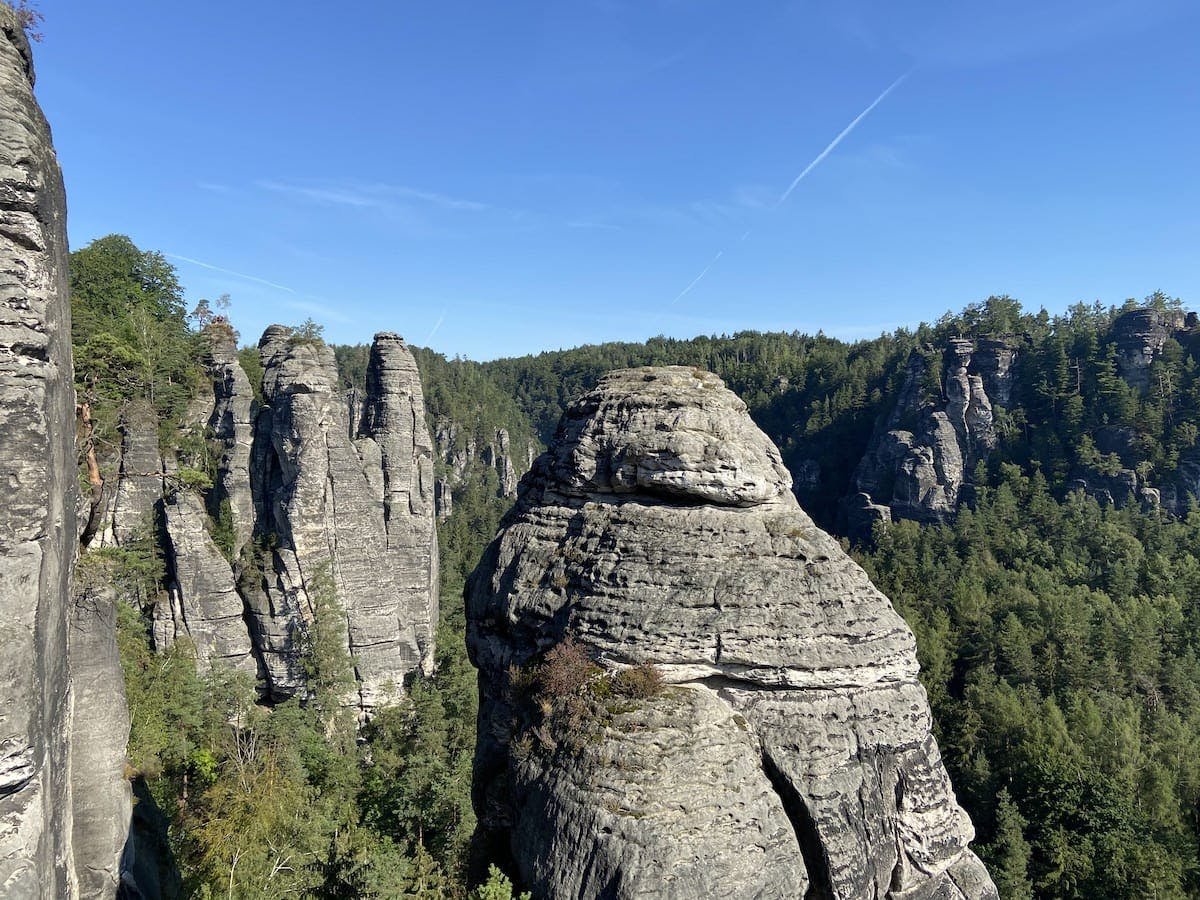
(204, 265)
(812, 165)
(696, 280)
(437, 325)
(837, 140)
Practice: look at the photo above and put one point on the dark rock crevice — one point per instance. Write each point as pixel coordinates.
(816, 859)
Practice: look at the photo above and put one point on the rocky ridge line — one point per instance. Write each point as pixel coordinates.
(316, 510)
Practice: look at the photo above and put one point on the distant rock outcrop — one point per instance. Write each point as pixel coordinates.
(460, 452)
(919, 463)
(64, 803)
(789, 755)
(1140, 335)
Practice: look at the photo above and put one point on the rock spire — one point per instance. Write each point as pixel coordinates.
(790, 753)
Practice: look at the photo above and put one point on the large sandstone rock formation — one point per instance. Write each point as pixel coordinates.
(791, 756)
(322, 495)
(64, 805)
(1139, 335)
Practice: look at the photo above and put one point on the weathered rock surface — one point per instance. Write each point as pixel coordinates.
(205, 605)
(140, 483)
(231, 424)
(53, 787)
(321, 496)
(995, 358)
(1140, 335)
(660, 528)
(919, 462)
(346, 515)
(99, 736)
(394, 419)
(682, 761)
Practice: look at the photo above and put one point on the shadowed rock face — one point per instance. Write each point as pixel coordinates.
(64, 806)
(793, 751)
(231, 423)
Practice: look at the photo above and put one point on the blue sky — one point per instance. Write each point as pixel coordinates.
(496, 178)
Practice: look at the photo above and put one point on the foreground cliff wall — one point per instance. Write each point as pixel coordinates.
(64, 805)
(792, 749)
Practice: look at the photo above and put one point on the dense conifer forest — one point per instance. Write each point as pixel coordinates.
(1058, 635)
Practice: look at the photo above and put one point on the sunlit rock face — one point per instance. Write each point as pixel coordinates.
(1139, 336)
(791, 754)
(64, 806)
(324, 496)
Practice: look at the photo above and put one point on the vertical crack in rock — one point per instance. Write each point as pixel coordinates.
(657, 498)
(816, 860)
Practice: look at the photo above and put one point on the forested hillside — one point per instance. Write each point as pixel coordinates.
(1056, 612)
(237, 797)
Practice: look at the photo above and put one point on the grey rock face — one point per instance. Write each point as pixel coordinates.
(930, 470)
(140, 482)
(919, 462)
(995, 358)
(205, 605)
(43, 637)
(1108, 490)
(459, 452)
(355, 511)
(660, 528)
(681, 759)
(1139, 335)
(99, 736)
(1184, 488)
(231, 423)
(395, 420)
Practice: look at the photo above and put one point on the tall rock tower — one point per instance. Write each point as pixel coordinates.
(64, 806)
(328, 496)
(789, 752)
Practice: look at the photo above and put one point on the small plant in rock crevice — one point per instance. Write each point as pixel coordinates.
(564, 699)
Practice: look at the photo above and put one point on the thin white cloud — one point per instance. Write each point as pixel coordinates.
(332, 196)
(433, 198)
(837, 140)
(597, 226)
(368, 196)
(254, 278)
